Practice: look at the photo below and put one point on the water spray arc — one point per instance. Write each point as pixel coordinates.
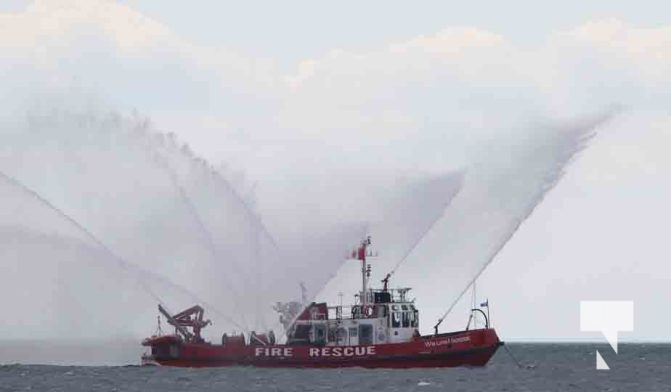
(207, 236)
(130, 268)
(424, 233)
(161, 157)
(578, 137)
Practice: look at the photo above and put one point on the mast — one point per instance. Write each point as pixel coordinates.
(364, 267)
(304, 294)
(361, 254)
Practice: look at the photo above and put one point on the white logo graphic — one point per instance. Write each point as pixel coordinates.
(609, 317)
(600, 363)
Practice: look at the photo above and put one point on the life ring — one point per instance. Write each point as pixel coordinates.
(368, 311)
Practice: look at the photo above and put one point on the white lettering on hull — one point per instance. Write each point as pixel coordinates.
(317, 351)
(342, 351)
(274, 352)
(446, 341)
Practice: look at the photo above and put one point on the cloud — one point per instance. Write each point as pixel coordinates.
(45, 25)
(457, 76)
(620, 36)
(120, 53)
(409, 55)
(440, 93)
(646, 52)
(476, 77)
(370, 108)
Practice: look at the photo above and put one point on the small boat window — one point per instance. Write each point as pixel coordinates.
(396, 320)
(365, 334)
(406, 319)
(353, 332)
(341, 335)
(380, 310)
(320, 334)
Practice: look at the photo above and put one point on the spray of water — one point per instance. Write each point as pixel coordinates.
(398, 228)
(141, 277)
(212, 247)
(505, 177)
(154, 204)
(178, 224)
(500, 191)
(136, 191)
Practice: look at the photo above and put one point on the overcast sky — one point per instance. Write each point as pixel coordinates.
(285, 91)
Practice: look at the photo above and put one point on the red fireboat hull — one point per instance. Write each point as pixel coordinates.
(466, 348)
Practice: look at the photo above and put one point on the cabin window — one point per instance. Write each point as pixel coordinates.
(341, 336)
(301, 332)
(382, 298)
(353, 332)
(320, 334)
(396, 320)
(365, 334)
(406, 319)
(415, 318)
(380, 310)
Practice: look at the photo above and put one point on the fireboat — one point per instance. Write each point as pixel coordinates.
(381, 330)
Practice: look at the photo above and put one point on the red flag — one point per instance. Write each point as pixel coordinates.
(362, 253)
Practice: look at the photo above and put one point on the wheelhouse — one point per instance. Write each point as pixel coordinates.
(387, 316)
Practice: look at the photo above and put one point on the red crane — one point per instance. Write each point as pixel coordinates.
(189, 318)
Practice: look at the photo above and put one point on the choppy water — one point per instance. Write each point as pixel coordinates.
(548, 367)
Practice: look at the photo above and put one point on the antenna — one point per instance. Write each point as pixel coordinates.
(385, 281)
(304, 293)
(159, 330)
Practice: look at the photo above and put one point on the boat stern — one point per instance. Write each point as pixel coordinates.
(164, 347)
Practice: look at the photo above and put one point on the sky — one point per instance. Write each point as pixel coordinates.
(287, 94)
(294, 30)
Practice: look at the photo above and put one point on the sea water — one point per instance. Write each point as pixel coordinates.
(544, 367)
